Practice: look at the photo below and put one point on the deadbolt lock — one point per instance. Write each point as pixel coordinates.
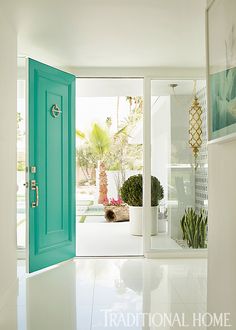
(34, 186)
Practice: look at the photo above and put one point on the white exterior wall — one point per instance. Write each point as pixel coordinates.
(112, 179)
(8, 78)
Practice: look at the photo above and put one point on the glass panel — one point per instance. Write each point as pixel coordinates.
(183, 178)
(21, 156)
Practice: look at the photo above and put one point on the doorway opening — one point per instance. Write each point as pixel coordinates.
(111, 108)
(109, 116)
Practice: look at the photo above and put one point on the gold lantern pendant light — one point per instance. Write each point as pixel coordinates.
(195, 124)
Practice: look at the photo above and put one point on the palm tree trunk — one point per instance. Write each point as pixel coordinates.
(102, 183)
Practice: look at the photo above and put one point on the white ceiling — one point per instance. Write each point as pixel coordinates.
(111, 33)
(106, 87)
(184, 87)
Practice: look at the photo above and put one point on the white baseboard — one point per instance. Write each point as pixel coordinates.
(184, 254)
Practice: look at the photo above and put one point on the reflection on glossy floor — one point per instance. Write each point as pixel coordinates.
(85, 293)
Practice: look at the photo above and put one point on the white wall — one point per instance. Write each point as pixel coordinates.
(8, 77)
(221, 288)
(222, 229)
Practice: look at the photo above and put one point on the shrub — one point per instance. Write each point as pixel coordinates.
(194, 227)
(132, 191)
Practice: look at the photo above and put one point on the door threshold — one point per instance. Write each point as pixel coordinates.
(129, 256)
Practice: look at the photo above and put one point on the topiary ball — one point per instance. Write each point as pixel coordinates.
(132, 191)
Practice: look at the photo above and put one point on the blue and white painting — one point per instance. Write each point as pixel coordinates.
(223, 99)
(222, 67)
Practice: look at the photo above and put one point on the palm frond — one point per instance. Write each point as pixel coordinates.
(80, 134)
(99, 140)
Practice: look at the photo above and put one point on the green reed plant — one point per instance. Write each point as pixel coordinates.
(194, 227)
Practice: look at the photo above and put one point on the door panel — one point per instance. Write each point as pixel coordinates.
(51, 165)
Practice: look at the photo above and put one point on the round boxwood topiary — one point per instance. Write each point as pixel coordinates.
(132, 191)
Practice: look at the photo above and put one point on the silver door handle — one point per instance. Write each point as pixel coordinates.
(55, 110)
(35, 187)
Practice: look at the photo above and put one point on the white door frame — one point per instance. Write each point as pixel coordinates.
(146, 166)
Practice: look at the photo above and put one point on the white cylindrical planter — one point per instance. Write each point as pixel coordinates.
(136, 224)
(162, 226)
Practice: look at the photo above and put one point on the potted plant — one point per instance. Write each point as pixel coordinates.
(132, 194)
(115, 210)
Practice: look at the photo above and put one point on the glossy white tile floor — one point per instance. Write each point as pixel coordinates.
(107, 238)
(75, 294)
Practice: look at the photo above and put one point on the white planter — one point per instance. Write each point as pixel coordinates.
(135, 217)
(162, 225)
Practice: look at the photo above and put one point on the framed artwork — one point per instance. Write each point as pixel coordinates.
(221, 67)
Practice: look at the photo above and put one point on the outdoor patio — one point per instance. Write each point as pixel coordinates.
(97, 237)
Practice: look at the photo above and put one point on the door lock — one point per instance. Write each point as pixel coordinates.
(35, 187)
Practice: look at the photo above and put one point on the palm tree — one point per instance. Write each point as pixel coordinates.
(100, 142)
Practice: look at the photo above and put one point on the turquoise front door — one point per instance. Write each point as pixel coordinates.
(51, 166)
